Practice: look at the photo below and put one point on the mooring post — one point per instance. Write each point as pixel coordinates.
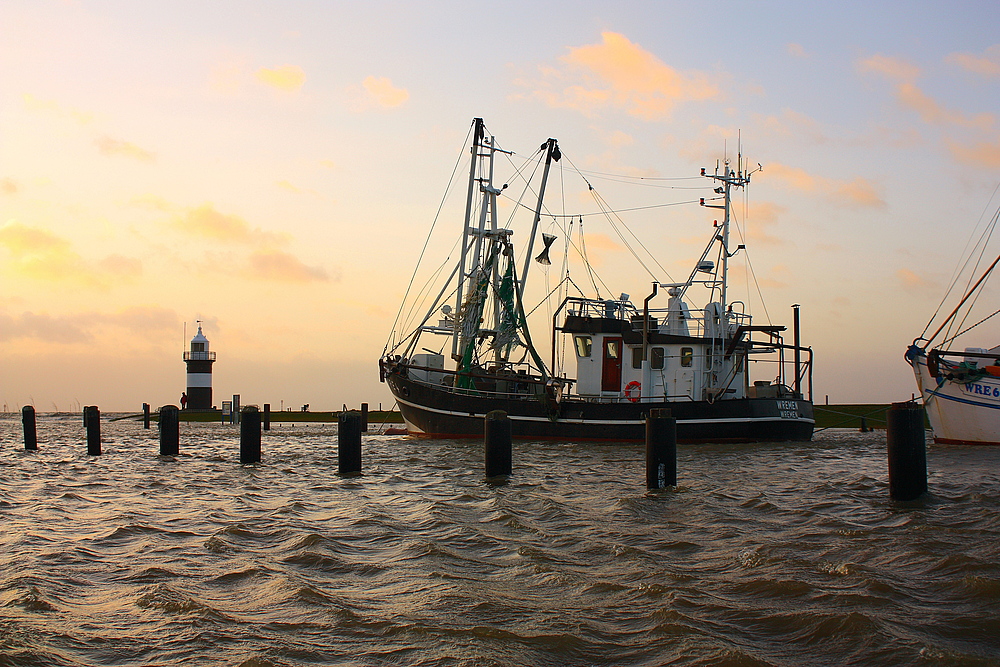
(30, 432)
(497, 437)
(145, 415)
(864, 425)
(85, 408)
(349, 443)
(364, 417)
(92, 418)
(905, 438)
(250, 434)
(267, 416)
(170, 431)
(661, 449)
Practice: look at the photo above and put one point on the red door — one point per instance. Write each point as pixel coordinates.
(611, 371)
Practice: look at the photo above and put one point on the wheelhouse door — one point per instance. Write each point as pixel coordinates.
(611, 372)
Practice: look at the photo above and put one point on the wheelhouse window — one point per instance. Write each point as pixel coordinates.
(637, 357)
(584, 345)
(687, 356)
(656, 358)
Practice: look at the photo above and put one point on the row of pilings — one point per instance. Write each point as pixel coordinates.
(907, 459)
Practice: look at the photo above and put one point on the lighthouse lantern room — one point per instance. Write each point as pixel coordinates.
(199, 362)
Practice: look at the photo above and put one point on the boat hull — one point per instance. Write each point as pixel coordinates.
(960, 413)
(428, 410)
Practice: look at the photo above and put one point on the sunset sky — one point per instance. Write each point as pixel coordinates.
(273, 169)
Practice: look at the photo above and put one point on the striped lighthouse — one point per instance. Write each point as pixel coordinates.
(199, 373)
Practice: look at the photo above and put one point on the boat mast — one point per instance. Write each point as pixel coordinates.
(551, 153)
(477, 136)
(730, 179)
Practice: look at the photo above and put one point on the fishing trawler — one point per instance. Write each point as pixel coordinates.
(471, 350)
(960, 388)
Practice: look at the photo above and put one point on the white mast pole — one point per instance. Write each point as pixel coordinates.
(476, 137)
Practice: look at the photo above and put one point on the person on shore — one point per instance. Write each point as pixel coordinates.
(184, 400)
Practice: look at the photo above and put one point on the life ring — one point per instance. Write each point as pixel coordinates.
(633, 390)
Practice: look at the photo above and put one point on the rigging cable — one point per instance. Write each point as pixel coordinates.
(985, 241)
(962, 265)
(437, 215)
(753, 273)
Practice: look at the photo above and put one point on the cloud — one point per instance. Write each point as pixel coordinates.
(41, 255)
(32, 103)
(227, 78)
(143, 319)
(932, 113)
(912, 97)
(982, 154)
(153, 202)
(206, 222)
(778, 277)
(42, 327)
(857, 192)
(619, 74)
(891, 67)
(987, 65)
(761, 216)
(115, 147)
(288, 78)
(85, 327)
(792, 124)
(8, 186)
(378, 92)
(121, 266)
(910, 281)
(796, 50)
(281, 266)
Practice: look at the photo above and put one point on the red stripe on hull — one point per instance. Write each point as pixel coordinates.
(949, 441)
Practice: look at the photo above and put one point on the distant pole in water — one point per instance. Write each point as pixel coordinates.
(267, 416)
(170, 435)
(30, 433)
(798, 354)
(349, 443)
(905, 437)
(497, 436)
(92, 418)
(250, 435)
(364, 417)
(145, 415)
(661, 449)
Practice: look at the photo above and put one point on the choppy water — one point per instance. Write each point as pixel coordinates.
(768, 554)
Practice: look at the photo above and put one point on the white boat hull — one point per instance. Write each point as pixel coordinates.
(960, 414)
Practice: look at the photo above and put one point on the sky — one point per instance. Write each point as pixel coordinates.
(272, 169)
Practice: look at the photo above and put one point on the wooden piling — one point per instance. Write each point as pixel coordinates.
(497, 441)
(170, 435)
(267, 416)
(92, 419)
(30, 431)
(145, 415)
(661, 449)
(250, 435)
(364, 417)
(905, 440)
(349, 443)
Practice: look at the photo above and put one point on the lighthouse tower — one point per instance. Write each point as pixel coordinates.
(199, 372)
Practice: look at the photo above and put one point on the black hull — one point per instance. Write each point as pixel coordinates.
(444, 413)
